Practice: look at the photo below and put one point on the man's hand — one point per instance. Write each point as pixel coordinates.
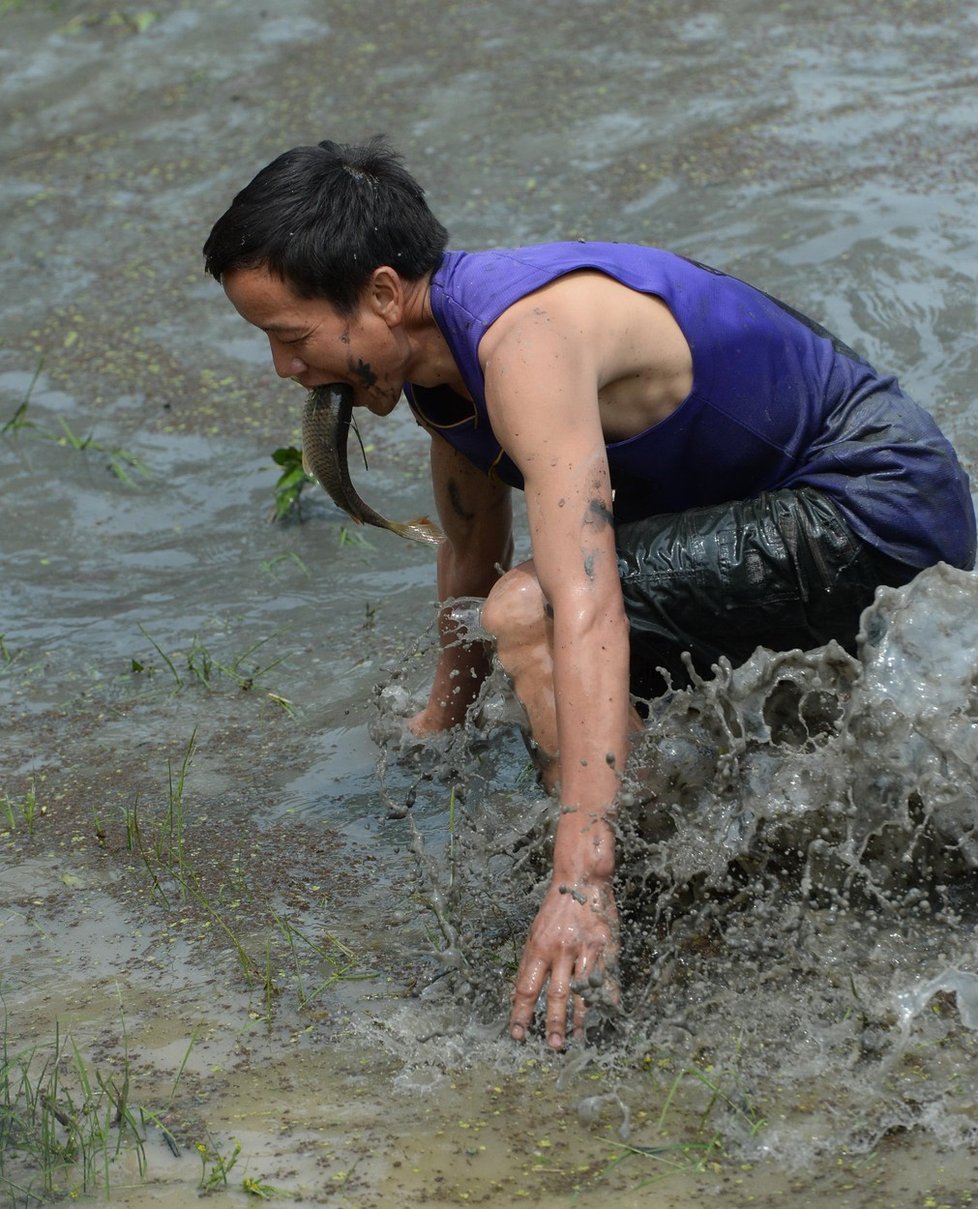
(432, 720)
(574, 942)
(461, 669)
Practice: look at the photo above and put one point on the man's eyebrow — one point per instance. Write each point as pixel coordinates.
(285, 327)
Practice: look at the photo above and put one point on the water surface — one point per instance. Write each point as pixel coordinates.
(208, 889)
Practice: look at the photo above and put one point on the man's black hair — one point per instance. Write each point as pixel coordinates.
(323, 218)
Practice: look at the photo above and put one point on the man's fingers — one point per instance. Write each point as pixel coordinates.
(557, 994)
(589, 974)
(529, 984)
(580, 1010)
(571, 942)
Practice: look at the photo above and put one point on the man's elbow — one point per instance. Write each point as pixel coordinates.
(586, 614)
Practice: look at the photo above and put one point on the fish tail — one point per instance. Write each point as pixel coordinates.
(420, 529)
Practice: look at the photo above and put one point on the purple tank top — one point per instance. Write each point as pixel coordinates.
(776, 402)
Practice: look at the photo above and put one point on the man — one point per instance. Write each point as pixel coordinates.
(705, 470)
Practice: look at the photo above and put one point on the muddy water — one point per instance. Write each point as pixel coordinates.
(199, 880)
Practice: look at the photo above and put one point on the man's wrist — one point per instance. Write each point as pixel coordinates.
(584, 847)
(577, 895)
(585, 866)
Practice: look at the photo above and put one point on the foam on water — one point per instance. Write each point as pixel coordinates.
(798, 884)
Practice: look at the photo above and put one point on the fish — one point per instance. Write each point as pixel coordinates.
(325, 431)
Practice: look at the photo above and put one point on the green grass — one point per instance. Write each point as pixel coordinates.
(705, 1147)
(65, 1124)
(62, 1122)
(202, 666)
(124, 465)
(276, 955)
(23, 811)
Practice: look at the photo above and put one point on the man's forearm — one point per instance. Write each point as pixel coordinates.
(462, 667)
(593, 707)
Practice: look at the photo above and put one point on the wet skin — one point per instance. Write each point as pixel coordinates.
(314, 344)
(582, 361)
(576, 364)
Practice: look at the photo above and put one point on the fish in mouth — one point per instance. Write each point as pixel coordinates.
(325, 431)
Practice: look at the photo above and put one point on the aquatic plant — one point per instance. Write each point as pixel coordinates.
(122, 463)
(133, 22)
(137, 22)
(331, 955)
(289, 559)
(165, 847)
(62, 1123)
(353, 537)
(25, 810)
(214, 1165)
(289, 956)
(205, 668)
(290, 484)
(264, 1192)
(19, 419)
(708, 1144)
(289, 487)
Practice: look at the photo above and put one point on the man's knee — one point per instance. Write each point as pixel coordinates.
(516, 605)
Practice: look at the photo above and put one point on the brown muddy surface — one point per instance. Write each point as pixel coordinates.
(199, 883)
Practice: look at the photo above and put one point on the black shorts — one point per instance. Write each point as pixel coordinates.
(783, 571)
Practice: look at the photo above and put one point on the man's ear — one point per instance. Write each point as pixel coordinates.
(385, 294)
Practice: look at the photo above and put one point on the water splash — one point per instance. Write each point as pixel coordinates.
(798, 883)
(963, 986)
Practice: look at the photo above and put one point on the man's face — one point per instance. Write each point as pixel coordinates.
(312, 343)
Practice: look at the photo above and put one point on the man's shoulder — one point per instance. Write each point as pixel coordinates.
(544, 255)
(476, 287)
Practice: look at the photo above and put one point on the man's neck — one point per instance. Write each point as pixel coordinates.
(432, 363)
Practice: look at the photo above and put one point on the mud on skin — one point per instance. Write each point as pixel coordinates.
(762, 954)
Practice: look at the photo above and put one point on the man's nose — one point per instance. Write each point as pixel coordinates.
(286, 363)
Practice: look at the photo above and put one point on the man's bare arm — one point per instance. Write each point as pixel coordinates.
(476, 515)
(542, 380)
